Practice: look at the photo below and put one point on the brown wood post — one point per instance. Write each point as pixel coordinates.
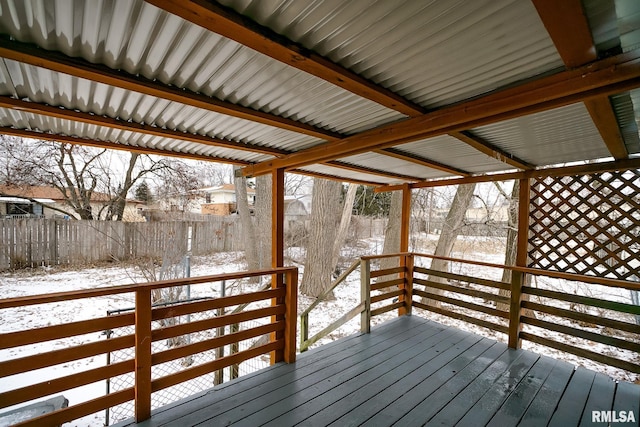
(408, 286)
(518, 278)
(304, 331)
(291, 316)
(277, 251)
(234, 369)
(365, 295)
(404, 248)
(143, 355)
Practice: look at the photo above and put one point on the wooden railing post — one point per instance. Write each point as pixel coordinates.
(518, 277)
(143, 355)
(515, 309)
(407, 287)
(291, 316)
(365, 295)
(304, 331)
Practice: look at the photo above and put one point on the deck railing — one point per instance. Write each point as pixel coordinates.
(280, 325)
(516, 308)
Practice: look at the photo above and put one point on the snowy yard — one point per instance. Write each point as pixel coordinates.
(347, 296)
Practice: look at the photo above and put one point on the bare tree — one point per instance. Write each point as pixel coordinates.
(392, 235)
(263, 220)
(324, 219)
(248, 233)
(450, 231)
(178, 182)
(345, 220)
(79, 173)
(137, 168)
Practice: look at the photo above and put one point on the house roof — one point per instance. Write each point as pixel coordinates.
(46, 193)
(225, 188)
(405, 92)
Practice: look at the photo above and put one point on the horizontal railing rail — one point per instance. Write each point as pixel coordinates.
(278, 318)
(489, 303)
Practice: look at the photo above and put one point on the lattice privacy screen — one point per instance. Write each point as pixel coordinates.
(587, 224)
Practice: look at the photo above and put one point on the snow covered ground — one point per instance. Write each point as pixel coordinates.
(347, 296)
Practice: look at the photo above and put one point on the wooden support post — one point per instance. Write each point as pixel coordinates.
(277, 250)
(407, 296)
(291, 316)
(404, 248)
(143, 355)
(365, 295)
(518, 278)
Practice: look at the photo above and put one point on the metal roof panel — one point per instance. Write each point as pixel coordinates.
(431, 52)
(141, 39)
(561, 135)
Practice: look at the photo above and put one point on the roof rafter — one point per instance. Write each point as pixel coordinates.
(601, 78)
(568, 27)
(232, 25)
(587, 168)
(371, 171)
(23, 133)
(77, 67)
(419, 160)
(61, 113)
(336, 178)
(490, 150)
(93, 119)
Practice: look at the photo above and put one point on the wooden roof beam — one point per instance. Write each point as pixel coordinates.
(568, 27)
(371, 171)
(336, 178)
(232, 25)
(490, 150)
(93, 119)
(588, 168)
(77, 67)
(605, 77)
(603, 116)
(24, 133)
(419, 160)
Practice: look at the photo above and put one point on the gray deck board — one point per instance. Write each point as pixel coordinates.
(574, 399)
(600, 399)
(429, 407)
(516, 404)
(627, 398)
(546, 400)
(422, 365)
(407, 372)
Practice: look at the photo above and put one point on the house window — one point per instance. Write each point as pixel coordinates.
(19, 209)
(207, 198)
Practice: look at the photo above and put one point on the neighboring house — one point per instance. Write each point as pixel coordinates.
(221, 200)
(294, 209)
(37, 201)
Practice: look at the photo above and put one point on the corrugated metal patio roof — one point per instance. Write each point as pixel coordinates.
(368, 91)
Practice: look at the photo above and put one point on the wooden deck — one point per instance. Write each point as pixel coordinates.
(409, 371)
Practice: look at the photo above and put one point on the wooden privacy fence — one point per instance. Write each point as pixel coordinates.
(280, 327)
(43, 242)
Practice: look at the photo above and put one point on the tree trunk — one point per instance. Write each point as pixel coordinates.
(511, 250)
(345, 220)
(450, 231)
(324, 214)
(248, 234)
(392, 237)
(263, 220)
(512, 241)
(121, 198)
